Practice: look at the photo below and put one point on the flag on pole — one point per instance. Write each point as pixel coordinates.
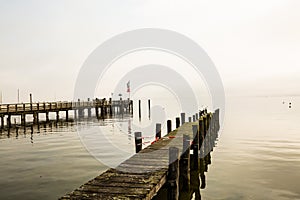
(128, 86)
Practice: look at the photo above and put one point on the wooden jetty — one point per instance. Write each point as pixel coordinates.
(102, 108)
(161, 164)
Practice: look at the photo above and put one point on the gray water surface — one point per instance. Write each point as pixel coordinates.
(257, 155)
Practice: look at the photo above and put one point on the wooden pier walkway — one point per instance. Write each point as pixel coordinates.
(160, 164)
(102, 107)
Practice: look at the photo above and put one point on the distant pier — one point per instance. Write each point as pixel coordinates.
(102, 108)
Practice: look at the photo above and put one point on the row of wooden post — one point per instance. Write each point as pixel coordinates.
(204, 136)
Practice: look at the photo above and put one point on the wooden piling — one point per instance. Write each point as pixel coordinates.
(173, 174)
(2, 122)
(185, 163)
(140, 114)
(138, 141)
(97, 112)
(47, 116)
(201, 136)
(177, 122)
(169, 126)
(149, 108)
(30, 96)
(190, 119)
(23, 119)
(195, 147)
(67, 115)
(57, 116)
(9, 121)
(35, 117)
(182, 118)
(194, 118)
(158, 131)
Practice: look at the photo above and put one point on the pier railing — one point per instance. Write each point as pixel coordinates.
(54, 106)
(102, 108)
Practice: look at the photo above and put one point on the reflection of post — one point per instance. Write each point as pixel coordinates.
(202, 175)
(173, 173)
(195, 184)
(129, 129)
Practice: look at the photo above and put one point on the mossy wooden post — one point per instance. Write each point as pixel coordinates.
(177, 122)
(201, 136)
(190, 119)
(158, 131)
(185, 163)
(173, 174)
(182, 118)
(138, 141)
(195, 147)
(169, 126)
(194, 118)
(197, 118)
(204, 134)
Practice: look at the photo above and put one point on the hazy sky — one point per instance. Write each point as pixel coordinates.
(254, 44)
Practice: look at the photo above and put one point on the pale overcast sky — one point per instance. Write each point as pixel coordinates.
(255, 44)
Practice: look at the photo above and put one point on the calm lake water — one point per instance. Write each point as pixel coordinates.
(257, 155)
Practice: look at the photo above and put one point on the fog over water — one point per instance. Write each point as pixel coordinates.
(254, 45)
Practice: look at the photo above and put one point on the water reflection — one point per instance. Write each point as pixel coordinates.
(16, 130)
